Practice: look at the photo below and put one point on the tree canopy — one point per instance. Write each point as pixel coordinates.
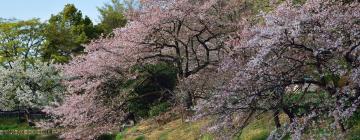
(31, 86)
(20, 40)
(112, 16)
(66, 33)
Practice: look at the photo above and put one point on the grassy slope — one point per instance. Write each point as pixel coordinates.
(258, 129)
(176, 130)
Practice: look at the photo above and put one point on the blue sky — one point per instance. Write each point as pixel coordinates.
(27, 9)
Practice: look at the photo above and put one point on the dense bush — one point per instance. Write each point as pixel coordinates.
(159, 108)
(153, 88)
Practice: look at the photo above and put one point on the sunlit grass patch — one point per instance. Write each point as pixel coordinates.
(260, 127)
(174, 130)
(13, 124)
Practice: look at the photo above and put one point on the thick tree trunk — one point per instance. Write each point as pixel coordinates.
(28, 118)
(279, 92)
(19, 114)
(290, 114)
(276, 118)
(189, 100)
(342, 127)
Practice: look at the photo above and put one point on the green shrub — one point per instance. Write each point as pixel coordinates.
(151, 89)
(158, 109)
(106, 137)
(299, 2)
(119, 136)
(353, 124)
(142, 137)
(305, 101)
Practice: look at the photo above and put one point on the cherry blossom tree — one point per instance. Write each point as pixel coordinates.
(94, 101)
(31, 86)
(310, 52)
(292, 49)
(186, 33)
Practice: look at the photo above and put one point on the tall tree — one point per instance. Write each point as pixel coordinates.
(66, 33)
(189, 34)
(112, 16)
(186, 34)
(20, 40)
(302, 60)
(29, 86)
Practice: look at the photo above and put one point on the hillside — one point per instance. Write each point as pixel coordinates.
(259, 129)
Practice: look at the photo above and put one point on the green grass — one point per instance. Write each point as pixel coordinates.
(207, 137)
(17, 137)
(174, 130)
(27, 137)
(259, 129)
(13, 124)
(119, 136)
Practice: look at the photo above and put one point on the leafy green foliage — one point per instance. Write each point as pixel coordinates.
(112, 16)
(106, 137)
(301, 102)
(152, 89)
(65, 34)
(158, 108)
(258, 6)
(20, 40)
(142, 137)
(299, 2)
(119, 136)
(353, 124)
